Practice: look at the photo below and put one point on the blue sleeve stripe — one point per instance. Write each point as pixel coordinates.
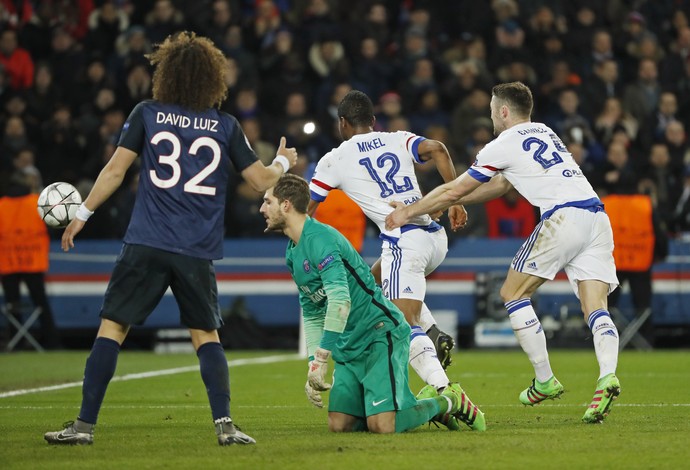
(317, 197)
(478, 176)
(414, 150)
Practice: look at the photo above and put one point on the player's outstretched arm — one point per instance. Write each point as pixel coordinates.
(109, 179)
(439, 199)
(261, 177)
(497, 187)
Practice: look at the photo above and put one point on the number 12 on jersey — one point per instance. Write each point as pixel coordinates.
(382, 162)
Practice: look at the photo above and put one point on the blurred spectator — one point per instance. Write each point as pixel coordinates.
(654, 128)
(474, 106)
(510, 216)
(667, 182)
(641, 97)
(675, 139)
(327, 59)
(616, 175)
(371, 71)
(62, 147)
(681, 214)
(569, 123)
(130, 50)
(428, 112)
(221, 18)
(43, 96)
(162, 21)
(613, 118)
(369, 20)
(106, 23)
(16, 61)
(390, 107)
(674, 64)
(604, 84)
(417, 83)
(265, 150)
(136, 88)
(66, 60)
(14, 138)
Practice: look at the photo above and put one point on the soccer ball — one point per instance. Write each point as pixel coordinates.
(58, 203)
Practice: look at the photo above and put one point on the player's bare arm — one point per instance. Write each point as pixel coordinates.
(440, 198)
(311, 208)
(497, 187)
(438, 152)
(109, 179)
(262, 177)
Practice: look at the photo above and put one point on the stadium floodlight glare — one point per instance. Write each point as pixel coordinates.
(309, 127)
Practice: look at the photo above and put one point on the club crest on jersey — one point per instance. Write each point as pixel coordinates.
(306, 266)
(325, 262)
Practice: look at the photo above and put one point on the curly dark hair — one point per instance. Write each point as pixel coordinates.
(189, 71)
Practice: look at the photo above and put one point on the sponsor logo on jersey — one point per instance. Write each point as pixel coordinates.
(571, 173)
(407, 290)
(306, 266)
(532, 265)
(610, 333)
(325, 262)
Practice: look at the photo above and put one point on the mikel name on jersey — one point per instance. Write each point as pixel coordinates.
(370, 145)
(183, 121)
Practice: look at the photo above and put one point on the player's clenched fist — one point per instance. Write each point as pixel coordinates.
(317, 370)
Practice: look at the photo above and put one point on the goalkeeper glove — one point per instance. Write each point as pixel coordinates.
(317, 370)
(313, 396)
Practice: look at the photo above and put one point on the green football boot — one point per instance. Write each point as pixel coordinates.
(538, 391)
(608, 389)
(447, 419)
(468, 412)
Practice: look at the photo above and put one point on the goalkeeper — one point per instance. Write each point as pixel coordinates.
(347, 317)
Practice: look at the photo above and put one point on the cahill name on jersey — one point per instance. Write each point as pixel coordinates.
(537, 163)
(373, 169)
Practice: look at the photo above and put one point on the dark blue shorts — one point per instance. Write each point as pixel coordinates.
(142, 275)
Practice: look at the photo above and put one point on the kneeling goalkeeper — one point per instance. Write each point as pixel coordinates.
(347, 316)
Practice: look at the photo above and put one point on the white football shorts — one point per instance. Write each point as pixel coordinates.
(575, 240)
(405, 264)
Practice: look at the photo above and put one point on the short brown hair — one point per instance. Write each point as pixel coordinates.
(190, 71)
(517, 96)
(294, 189)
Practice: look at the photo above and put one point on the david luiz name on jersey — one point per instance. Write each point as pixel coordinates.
(183, 121)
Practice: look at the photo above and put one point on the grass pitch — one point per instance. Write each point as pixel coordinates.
(164, 421)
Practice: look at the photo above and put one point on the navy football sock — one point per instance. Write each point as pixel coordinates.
(214, 372)
(100, 367)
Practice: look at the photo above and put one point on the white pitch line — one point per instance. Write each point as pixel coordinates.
(153, 373)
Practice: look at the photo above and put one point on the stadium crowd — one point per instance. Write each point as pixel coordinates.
(612, 78)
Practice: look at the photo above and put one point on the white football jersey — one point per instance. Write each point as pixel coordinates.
(373, 169)
(537, 163)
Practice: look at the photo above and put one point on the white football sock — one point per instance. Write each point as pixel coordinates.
(426, 319)
(605, 337)
(530, 335)
(424, 361)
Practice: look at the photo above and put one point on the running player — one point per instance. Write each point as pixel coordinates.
(347, 316)
(574, 234)
(187, 148)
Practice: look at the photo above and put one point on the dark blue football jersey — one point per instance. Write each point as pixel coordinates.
(185, 165)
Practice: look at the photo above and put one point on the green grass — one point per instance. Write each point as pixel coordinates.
(164, 422)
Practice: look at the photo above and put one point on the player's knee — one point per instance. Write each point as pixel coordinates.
(381, 426)
(338, 425)
(508, 295)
